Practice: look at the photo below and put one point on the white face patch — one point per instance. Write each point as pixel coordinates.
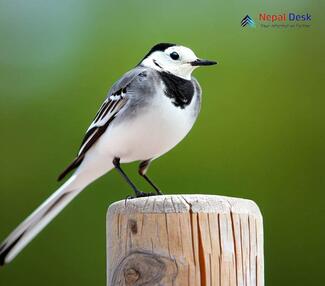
(169, 62)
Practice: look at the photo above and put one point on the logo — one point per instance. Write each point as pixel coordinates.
(247, 20)
(284, 17)
(278, 20)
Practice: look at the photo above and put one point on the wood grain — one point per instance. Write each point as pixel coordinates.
(185, 240)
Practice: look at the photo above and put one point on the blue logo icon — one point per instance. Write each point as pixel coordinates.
(247, 21)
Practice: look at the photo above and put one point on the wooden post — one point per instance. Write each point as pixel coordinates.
(185, 240)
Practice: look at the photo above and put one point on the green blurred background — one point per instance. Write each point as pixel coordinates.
(260, 134)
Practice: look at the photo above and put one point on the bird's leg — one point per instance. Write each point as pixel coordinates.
(116, 163)
(143, 168)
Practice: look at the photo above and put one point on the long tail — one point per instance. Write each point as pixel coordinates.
(33, 224)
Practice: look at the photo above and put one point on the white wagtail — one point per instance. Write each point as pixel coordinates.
(146, 113)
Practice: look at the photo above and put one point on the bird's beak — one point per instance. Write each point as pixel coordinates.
(200, 62)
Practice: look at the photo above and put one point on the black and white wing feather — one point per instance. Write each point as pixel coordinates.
(116, 99)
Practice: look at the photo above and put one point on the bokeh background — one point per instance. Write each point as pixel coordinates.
(260, 134)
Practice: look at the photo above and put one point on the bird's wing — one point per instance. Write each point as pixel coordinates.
(116, 99)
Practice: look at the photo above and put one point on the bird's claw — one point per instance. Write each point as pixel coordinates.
(140, 195)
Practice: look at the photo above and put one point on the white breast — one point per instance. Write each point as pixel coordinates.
(152, 132)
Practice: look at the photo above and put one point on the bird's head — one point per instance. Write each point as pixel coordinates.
(175, 59)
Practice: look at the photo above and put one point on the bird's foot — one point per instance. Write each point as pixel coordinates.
(143, 194)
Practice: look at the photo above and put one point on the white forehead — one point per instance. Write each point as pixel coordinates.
(184, 52)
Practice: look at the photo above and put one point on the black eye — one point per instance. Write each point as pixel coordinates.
(174, 56)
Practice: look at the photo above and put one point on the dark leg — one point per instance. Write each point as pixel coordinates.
(116, 163)
(143, 167)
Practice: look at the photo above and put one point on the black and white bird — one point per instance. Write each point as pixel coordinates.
(146, 113)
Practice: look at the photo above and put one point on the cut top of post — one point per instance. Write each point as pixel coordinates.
(184, 204)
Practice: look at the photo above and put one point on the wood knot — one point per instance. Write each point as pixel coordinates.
(141, 268)
(133, 226)
(131, 276)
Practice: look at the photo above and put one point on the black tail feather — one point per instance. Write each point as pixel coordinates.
(76, 162)
(5, 249)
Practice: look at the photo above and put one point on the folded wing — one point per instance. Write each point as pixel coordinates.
(116, 99)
